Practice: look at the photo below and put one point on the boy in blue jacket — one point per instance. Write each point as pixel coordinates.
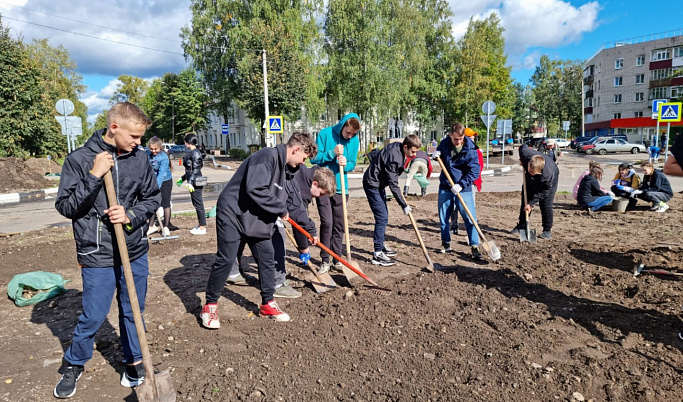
(246, 211)
(337, 146)
(82, 198)
(459, 155)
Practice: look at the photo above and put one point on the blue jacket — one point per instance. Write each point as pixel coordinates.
(161, 166)
(464, 166)
(327, 139)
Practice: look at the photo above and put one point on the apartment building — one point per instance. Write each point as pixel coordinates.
(623, 78)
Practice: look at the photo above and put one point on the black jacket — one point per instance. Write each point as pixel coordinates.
(386, 165)
(255, 196)
(193, 164)
(657, 182)
(589, 190)
(297, 184)
(539, 186)
(82, 198)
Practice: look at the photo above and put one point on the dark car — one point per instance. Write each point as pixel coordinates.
(177, 151)
(538, 143)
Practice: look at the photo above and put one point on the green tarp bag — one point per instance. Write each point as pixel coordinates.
(212, 213)
(34, 287)
(421, 180)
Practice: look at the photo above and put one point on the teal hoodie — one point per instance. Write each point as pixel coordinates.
(328, 138)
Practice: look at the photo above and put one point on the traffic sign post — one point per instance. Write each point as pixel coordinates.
(565, 127)
(225, 129)
(669, 112)
(488, 107)
(275, 124)
(504, 127)
(655, 115)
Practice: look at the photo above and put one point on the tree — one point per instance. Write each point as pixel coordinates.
(557, 92)
(27, 125)
(131, 89)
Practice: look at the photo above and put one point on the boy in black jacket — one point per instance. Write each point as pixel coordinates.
(386, 165)
(655, 188)
(542, 176)
(82, 198)
(246, 211)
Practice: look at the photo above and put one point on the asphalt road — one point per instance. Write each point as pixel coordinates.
(28, 216)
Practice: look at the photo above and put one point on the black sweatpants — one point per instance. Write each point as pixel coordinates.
(228, 239)
(198, 204)
(545, 205)
(331, 224)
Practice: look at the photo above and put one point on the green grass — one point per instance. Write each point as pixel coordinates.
(190, 214)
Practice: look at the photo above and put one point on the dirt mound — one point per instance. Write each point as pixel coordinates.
(19, 175)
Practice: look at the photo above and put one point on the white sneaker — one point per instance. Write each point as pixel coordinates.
(662, 208)
(209, 316)
(152, 229)
(165, 232)
(198, 231)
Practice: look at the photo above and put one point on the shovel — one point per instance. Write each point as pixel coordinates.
(322, 282)
(526, 234)
(374, 287)
(489, 246)
(638, 270)
(430, 264)
(350, 274)
(156, 387)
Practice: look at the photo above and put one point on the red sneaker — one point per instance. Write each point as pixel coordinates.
(209, 316)
(272, 310)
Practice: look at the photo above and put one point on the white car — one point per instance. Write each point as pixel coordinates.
(560, 142)
(606, 145)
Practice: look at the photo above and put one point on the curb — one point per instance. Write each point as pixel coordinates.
(37, 195)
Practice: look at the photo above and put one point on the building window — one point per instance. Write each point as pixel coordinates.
(638, 114)
(678, 52)
(676, 92)
(598, 85)
(658, 93)
(640, 79)
(639, 96)
(660, 54)
(640, 60)
(616, 116)
(617, 98)
(618, 81)
(618, 64)
(660, 74)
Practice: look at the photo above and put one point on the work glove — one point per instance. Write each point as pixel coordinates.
(456, 188)
(407, 210)
(617, 182)
(189, 187)
(179, 182)
(305, 257)
(436, 154)
(619, 187)
(636, 192)
(611, 194)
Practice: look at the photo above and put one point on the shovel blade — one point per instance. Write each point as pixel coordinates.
(159, 390)
(348, 273)
(532, 236)
(491, 250)
(321, 282)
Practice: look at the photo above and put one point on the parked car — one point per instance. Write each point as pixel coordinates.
(167, 146)
(561, 142)
(178, 151)
(579, 141)
(606, 145)
(538, 143)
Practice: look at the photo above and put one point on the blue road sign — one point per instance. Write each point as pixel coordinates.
(275, 124)
(670, 112)
(225, 129)
(656, 103)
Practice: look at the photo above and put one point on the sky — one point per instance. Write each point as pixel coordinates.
(141, 37)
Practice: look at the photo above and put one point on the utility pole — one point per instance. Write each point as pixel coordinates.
(265, 98)
(173, 118)
(583, 99)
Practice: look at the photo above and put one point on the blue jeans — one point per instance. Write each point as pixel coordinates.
(377, 197)
(99, 285)
(600, 202)
(447, 202)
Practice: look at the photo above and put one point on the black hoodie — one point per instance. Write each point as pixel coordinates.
(82, 198)
(255, 196)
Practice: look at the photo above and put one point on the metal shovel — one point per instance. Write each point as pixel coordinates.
(526, 234)
(157, 386)
(638, 270)
(321, 282)
(489, 246)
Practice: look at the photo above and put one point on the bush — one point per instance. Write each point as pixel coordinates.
(238, 153)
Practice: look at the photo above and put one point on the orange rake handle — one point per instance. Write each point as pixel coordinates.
(338, 258)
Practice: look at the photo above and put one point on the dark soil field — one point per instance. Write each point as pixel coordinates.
(563, 319)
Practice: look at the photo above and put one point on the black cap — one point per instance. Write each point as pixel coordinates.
(625, 165)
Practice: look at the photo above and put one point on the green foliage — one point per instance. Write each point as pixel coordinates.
(27, 123)
(238, 153)
(131, 89)
(557, 92)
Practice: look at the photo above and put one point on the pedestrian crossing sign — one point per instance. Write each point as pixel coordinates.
(275, 124)
(670, 112)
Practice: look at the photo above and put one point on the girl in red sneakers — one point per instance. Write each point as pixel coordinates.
(246, 211)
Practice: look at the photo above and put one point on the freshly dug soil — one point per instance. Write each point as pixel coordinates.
(563, 319)
(20, 175)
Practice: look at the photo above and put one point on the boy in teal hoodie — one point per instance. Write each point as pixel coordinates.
(337, 146)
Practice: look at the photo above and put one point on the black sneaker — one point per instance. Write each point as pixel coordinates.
(66, 387)
(475, 253)
(545, 235)
(133, 376)
(382, 259)
(445, 248)
(389, 252)
(454, 230)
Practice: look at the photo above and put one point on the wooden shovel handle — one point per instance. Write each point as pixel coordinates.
(345, 210)
(332, 253)
(291, 238)
(430, 268)
(130, 283)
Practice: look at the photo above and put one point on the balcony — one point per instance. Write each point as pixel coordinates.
(588, 79)
(588, 110)
(664, 82)
(589, 94)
